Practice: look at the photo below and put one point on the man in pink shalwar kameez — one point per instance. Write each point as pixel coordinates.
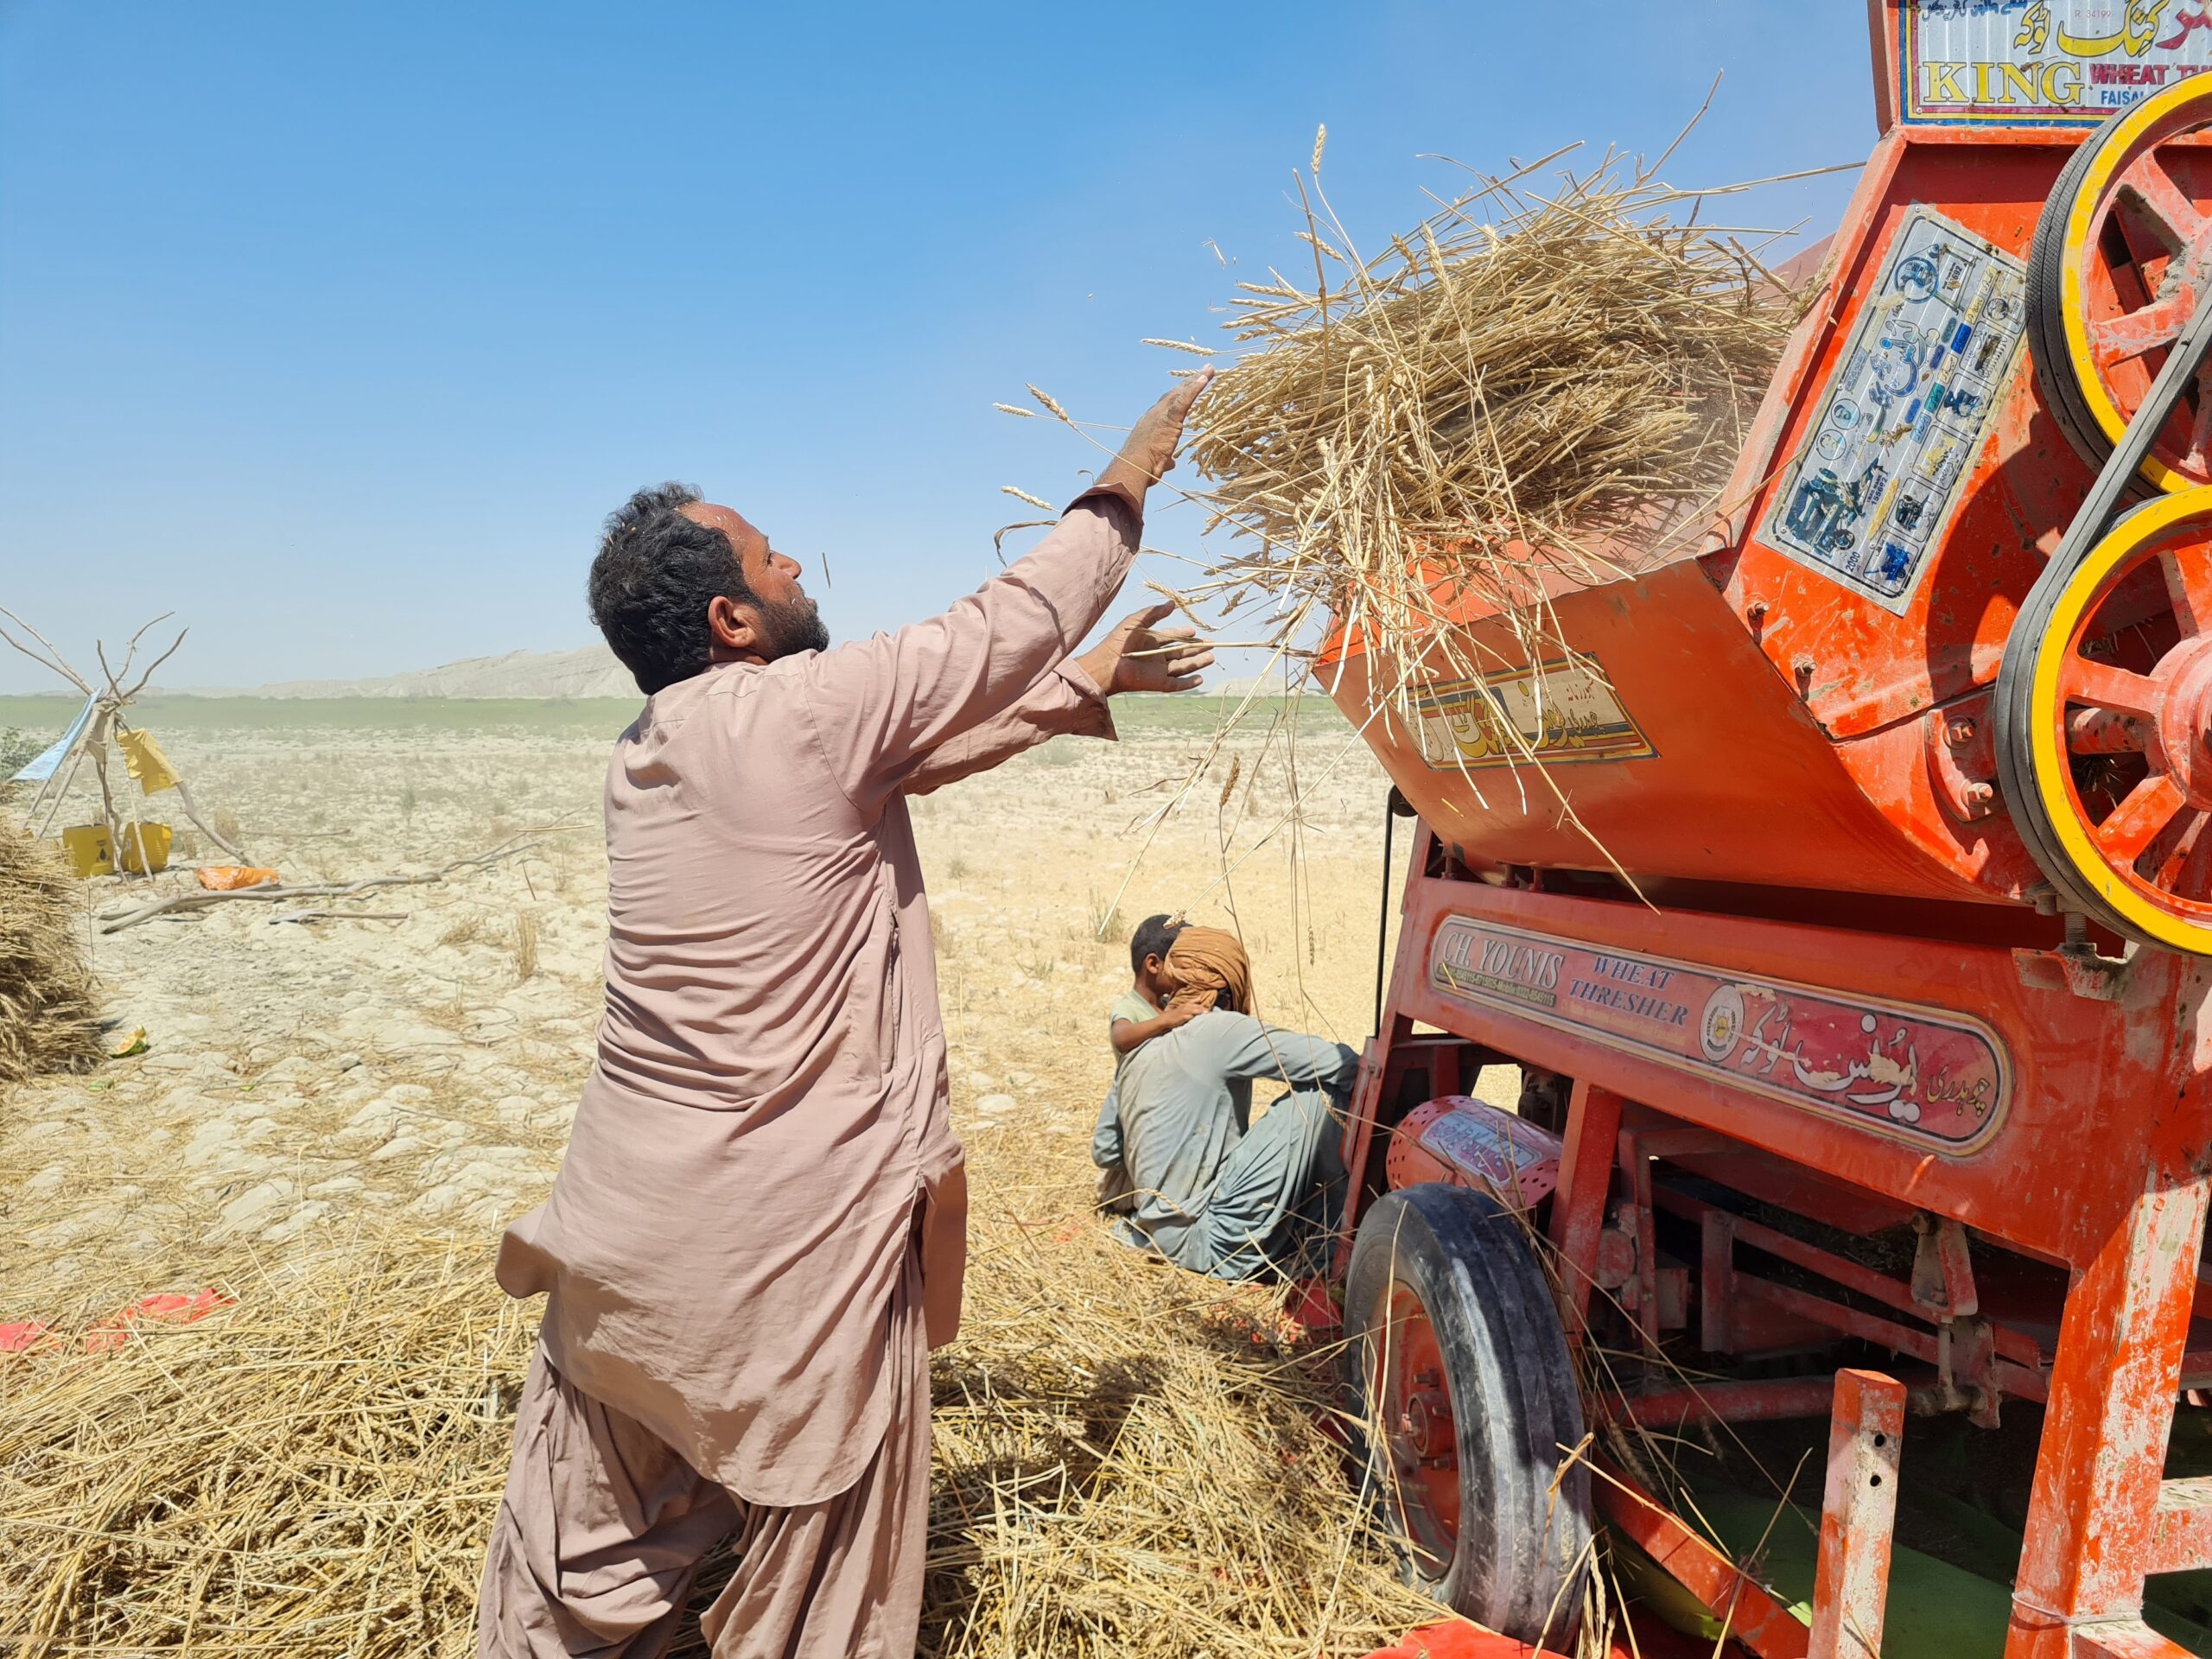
(759, 1230)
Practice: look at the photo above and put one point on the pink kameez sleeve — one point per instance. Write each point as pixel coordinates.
(1066, 703)
(882, 705)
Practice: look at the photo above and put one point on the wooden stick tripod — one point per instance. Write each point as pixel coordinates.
(106, 722)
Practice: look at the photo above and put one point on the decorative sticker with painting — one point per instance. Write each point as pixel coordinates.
(1875, 485)
(1929, 1077)
(1558, 710)
(2043, 62)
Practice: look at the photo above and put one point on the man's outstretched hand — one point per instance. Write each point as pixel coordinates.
(1149, 451)
(1139, 656)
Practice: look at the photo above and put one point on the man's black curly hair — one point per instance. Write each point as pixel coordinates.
(655, 573)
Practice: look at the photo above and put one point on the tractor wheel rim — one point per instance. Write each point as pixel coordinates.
(2138, 253)
(1411, 1392)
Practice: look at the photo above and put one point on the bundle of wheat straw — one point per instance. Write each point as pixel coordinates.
(48, 1021)
(1540, 384)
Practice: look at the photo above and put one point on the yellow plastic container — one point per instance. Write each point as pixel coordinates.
(148, 850)
(92, 853)
(89, 849)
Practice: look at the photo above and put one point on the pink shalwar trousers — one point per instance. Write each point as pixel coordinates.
(603, 1526)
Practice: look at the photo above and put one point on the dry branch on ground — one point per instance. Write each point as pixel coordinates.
(115, 920)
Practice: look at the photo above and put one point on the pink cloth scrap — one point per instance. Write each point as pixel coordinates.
(168, 1307)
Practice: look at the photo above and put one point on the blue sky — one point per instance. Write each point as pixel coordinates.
(338, 328)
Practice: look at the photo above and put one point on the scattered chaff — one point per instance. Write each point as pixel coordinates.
(525, 945)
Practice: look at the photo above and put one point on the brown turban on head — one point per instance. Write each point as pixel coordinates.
(1206, 965)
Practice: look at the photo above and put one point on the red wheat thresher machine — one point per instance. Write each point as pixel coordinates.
(1877, 1089)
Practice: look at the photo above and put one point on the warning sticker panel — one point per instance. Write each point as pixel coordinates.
(1903, 419)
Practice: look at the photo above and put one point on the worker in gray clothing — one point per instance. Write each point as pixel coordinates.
(1216, 1192)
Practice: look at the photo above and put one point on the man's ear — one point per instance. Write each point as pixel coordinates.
(735, 627)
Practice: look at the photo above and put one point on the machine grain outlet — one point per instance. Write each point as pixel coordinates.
(1854, 1002)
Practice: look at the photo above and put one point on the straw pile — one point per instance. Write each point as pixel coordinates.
(48, 1019)
(1130, 1463)
(310, 1471)
(1127, 1463)
(1538, 384)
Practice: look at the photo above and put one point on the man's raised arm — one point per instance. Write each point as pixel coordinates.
(881, 705)
(1071, 700)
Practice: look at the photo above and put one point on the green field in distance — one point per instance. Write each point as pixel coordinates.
(47, 716)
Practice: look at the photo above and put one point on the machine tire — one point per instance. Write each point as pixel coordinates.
(1514, 1557)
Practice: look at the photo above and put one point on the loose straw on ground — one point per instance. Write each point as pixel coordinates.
(1128, 1461)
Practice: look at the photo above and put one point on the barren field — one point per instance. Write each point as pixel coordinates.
(410, 1058)
(422, 1047)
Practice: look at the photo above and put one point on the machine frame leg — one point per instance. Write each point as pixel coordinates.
(1858, 1509)
(1586, 1175)
(2093, 1514)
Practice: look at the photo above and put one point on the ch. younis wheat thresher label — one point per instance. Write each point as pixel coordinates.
(1928, 1076)
(2043, 62)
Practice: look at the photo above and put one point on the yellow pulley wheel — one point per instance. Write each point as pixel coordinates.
(2104, 708)
(2121, 253)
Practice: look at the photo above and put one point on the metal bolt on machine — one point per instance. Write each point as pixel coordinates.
(1909, 768)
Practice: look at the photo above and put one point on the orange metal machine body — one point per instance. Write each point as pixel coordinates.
(1841, 982)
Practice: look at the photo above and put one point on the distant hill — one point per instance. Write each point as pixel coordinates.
(592, 671)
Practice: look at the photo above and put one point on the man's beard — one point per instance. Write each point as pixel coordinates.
(788, 629)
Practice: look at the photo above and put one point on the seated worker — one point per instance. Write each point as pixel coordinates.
(1216, 1192)
(1139, 1014)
